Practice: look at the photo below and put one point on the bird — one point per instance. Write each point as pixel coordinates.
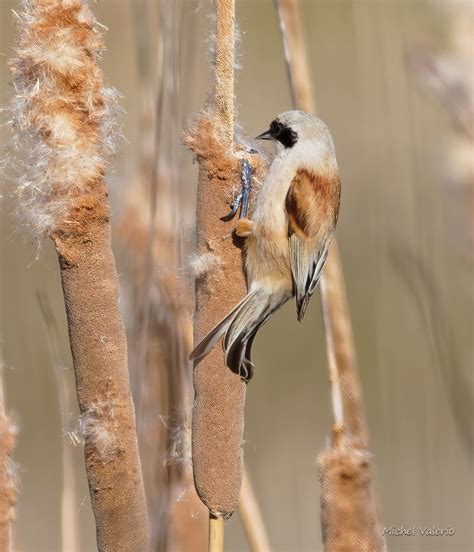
(287, 236)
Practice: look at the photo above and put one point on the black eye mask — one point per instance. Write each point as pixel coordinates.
(283, 133)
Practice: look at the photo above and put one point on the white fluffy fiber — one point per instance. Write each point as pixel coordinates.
(53, 160)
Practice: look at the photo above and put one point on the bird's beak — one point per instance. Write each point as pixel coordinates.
(264, 136)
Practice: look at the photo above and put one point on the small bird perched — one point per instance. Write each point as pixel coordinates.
(288, 238)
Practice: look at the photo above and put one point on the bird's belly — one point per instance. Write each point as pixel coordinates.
(268, 258)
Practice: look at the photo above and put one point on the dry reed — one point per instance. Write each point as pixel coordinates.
(251, 518)
(216, 534)
(349, 515)
(62, 119)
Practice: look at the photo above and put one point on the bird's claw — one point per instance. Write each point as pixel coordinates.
(242, 198)
(233, 208)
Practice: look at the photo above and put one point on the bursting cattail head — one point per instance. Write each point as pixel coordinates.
(60, 113)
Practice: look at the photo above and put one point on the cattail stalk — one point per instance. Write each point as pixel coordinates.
(218, 416)
(62, 121)
(216, 534)
(224, 75)
(349, 515)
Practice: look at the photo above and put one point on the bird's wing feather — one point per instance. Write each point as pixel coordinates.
(312, 207)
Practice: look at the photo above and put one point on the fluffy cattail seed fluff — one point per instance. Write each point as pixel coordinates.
(61, 112)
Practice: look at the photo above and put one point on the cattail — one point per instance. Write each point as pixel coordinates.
(218, 416)
(61, 115)
(349, 515)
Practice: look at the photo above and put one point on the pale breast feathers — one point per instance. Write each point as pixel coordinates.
(312, 207)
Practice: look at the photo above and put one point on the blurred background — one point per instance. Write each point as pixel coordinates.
(394, 82)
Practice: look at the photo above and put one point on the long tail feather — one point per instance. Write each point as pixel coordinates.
(207, 343)
(243, 328)
(240, 327)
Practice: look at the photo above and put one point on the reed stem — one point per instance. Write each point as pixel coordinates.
(216, 534)
(349, 510)
(344, 379)
(224, 72)
(251, 518)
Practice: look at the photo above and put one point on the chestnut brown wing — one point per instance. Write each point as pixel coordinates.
(312, 206)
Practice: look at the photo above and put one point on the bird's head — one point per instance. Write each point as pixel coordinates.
(294, 129)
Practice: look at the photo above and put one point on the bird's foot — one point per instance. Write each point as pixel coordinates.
(242, 198)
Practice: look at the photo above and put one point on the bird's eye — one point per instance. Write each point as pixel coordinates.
(275, 128)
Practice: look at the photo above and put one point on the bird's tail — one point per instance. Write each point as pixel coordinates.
(240, 327)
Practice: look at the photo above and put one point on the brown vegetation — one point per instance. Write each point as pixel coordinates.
(348, 508)
(220, 395)
(62, 112)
